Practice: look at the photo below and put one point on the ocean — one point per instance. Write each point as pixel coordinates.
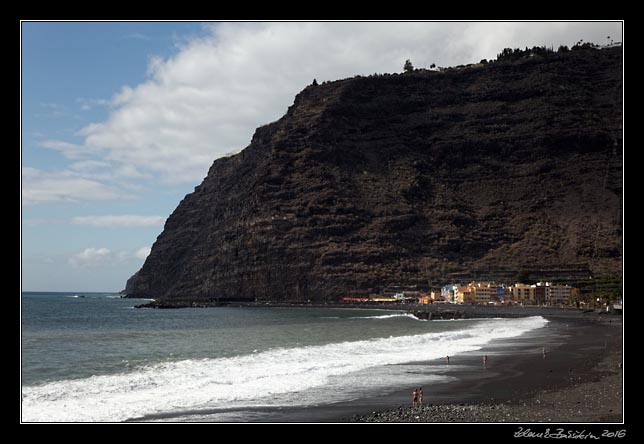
(94, 357)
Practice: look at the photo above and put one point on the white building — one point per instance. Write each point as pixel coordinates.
(450, 293)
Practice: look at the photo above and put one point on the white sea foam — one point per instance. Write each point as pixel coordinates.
(270, 378)
(389, 316)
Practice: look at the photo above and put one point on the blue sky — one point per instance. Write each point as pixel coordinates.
(70, 72)
(121, 119)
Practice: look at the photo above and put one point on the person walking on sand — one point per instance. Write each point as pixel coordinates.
(414, 398)
(420, 397)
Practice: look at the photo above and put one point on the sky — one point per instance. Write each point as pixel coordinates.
(120, 120)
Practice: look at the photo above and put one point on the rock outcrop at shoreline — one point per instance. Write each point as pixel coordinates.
(411, 179)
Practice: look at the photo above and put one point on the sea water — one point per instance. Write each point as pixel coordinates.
(94, 357)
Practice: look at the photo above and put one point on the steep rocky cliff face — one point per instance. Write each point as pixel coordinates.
(417, 178)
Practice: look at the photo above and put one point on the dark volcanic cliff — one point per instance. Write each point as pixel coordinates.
(418, 178)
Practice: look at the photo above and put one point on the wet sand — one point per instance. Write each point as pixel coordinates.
(579, 380)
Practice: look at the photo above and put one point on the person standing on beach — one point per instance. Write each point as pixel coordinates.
(484, 360)
(447, 359)
(414, 398)
(420, 397)
(544, 353)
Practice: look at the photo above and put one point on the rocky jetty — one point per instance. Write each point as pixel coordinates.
(452, 311)
(410, 179)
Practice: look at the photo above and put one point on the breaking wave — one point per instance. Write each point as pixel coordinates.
(273, 377)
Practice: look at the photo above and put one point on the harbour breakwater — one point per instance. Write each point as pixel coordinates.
(421, 311)
(448, 311)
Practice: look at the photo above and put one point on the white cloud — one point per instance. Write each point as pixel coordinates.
(90, 257)
(88, 104)
(142, 253)
(40, 186)
(94, 257)
(206, 100)
(124, 220)
(123, 255)
(69, 150)
(130, 171)
(88, 165)
(100, 170)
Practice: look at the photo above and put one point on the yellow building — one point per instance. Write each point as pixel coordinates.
(486, 292)
(465, 295)
(382, 299)
(424, 299)
(523, 293)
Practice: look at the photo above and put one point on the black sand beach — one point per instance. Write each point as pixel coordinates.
(579, 380)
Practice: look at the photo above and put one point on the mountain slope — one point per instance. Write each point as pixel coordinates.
(418, 178)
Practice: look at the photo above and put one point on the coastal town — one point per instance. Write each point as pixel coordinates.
(492, 293)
